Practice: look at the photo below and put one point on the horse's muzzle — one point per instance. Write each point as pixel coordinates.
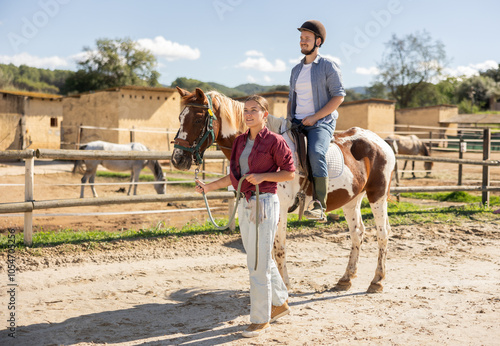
(181, 159)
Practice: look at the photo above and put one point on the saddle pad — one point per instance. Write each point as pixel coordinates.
(335, 161)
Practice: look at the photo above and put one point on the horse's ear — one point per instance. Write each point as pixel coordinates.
(200, 95)
(182, 92)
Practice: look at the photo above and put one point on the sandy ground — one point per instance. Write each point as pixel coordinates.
(442, 285)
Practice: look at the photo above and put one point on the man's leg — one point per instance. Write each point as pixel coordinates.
(318, 142)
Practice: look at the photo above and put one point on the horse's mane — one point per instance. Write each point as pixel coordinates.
(231, 111)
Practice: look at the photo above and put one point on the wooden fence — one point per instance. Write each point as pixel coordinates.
(30, 204)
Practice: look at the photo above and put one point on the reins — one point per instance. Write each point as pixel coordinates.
(232, 217)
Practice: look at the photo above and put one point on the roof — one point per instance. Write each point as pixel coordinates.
(384, 101)
(436, 106)
(128, 87)
(473, 119)
(31, 94)
(266, 94)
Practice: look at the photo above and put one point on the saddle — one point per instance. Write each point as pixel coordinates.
(334, 159)
(304, 167)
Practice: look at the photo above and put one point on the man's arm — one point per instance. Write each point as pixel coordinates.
(329, 108)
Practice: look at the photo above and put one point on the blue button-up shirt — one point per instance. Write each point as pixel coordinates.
(326, 82)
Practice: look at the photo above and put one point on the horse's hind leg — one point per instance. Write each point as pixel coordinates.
(379, 210)
(352, 213)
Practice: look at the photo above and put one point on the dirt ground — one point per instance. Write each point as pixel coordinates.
(442, 284)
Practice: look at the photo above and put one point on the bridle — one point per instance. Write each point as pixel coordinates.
(208, 131)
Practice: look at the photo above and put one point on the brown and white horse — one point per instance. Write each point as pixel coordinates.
(410, 145)
(368, 163)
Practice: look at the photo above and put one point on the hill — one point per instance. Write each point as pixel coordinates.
(34, 79)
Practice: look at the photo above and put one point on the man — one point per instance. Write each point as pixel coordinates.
(316, 91)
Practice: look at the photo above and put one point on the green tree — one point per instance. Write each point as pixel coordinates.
(476, 90)
(114, 63)
(408, 64)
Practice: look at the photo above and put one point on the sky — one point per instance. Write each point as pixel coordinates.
(234, 42)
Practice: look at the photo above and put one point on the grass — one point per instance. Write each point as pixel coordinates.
(399, 214)
(456, 196)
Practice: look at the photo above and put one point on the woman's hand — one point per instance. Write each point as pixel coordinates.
(201, 187)
(255, 178)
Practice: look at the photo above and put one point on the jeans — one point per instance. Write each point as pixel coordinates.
(318, 142)
(266, 285)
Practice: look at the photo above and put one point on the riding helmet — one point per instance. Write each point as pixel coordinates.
(316, 28)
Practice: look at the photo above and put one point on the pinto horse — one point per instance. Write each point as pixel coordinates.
(410, 145)
(367, 167)
(135, 166)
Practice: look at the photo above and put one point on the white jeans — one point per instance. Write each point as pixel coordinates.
(266, 285)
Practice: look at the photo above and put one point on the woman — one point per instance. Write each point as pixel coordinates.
(264, 159)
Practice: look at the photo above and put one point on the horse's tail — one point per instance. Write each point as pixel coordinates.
(78, 163)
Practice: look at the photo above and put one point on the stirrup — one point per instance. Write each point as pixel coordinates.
(307, 211)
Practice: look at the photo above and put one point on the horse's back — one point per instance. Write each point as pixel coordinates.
(107, 146)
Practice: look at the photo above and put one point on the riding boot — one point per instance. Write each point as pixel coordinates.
(320, 194)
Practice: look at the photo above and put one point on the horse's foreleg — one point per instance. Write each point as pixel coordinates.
(279, 248)
(352, 212)
(379, 210)
(84, 181)
(413, 169)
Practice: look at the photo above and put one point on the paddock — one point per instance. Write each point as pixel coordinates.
(442, 285)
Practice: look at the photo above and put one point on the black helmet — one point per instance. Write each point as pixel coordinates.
(316, 28)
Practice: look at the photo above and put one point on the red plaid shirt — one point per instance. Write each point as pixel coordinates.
(270, 153)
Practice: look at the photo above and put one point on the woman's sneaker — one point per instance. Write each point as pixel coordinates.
(255, 329)
(279, 311)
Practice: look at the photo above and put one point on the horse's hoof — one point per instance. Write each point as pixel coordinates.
(375, 288)
(342, 286)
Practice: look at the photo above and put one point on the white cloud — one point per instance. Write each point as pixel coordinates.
(251, 79)
(169, 50)
(471, 69)
(268, 79)
(367, 71)
(262, 64)
(295, 61)
(52, 62)
(254, 53)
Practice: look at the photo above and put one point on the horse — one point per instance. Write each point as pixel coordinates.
(410, 145)
(135, 166)
(367, 167)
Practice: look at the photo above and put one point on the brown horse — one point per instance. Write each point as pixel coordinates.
(410, 145)
(366, 167)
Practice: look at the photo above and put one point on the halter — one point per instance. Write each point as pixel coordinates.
(208, 131)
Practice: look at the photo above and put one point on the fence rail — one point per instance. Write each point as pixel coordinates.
(30, 204)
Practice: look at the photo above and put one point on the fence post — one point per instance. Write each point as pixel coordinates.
(486, 169)
(132, 135)
(231, 205)
(460, 156)
(79, 136)
(430, 142)
(29, 168)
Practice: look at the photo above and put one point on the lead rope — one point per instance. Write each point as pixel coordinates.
(231, 219)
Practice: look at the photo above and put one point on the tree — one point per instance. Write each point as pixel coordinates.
(409, 63)
(114, 63)
(476, 90)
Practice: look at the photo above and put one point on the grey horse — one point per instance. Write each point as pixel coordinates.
(135, 166)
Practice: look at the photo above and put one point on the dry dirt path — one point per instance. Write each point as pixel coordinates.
(442, 287)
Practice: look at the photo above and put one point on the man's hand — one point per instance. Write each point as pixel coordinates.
(309, 120)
